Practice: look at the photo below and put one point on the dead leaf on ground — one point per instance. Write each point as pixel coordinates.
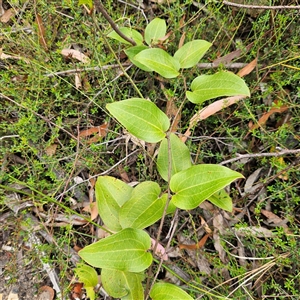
(197, 246)
(5, 56)
(41, 31)
(226, 59)
(51, 150)
(160, 250)
(46, 293)
(219, 229)
(92, 208)
(10, 13)
(248, 68)
(209, 111)
(264, 118)
(72, 53)
(259, 232)
(97, 131)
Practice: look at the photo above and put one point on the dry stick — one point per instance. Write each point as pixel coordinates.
(261, 6)
(70, 72)
(100, 7)
(276, 154)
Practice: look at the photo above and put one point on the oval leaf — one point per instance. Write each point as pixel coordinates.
(89, 277)
(190, 53)
(129, 32)
(144, 207)
(155, 30)
(167, 291)
(179, 155)
(111, 194)
(221, 84)
(124, 251)
(124, 285)
(132, 52)
(196, 184)
(159, 61)
(222, 200)
(141, 118)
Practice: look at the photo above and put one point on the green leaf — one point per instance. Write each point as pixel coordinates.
(167, 291)
(221, 84)
(124, 285)
(190, 53)
(111, 194)
(129, 32)
(159, 61)
(196, 184)
(155, 30)
(179, 154)
(88, 276)
(132, 52)
(141, 118)
(222, 200)
(144, 208)
(124, 251)
(86, 2)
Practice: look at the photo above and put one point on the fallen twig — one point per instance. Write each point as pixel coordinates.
(261, 6)
(257, 155)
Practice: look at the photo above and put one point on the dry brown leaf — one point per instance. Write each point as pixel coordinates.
(72, 53)
(248, 68)
(78, 83)
(264, 118)
(219, 229)
(92, 208)
(13, 296)
(51, 150)
(260, 232)
(181, 41)
(46, 293)
(5, 56)
(226, 59)
(209, 111)
(41, 31)
(8, 15)
(205, 226)
(100, 130)
(160, 250)
(97, 131)
(197, 246)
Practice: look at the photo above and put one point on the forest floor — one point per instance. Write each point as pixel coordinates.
(57, 73)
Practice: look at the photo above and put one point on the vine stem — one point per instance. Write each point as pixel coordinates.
(114, 26)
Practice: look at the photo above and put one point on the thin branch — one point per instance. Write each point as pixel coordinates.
(261, 6)
(101, 8)
(72, 71)
(257, 155)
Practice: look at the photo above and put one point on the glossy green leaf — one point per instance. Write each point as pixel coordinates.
(124, 251)
(124, 285)
(222, 200)
(111, 194)
(160, 61)
(144, 208)
(190, 53)
(129, 32)
(155, 30)
(89, 277)
(132, 52)
(196, 184)
(179, 154)
(206, 87)
(167, 291)
(142, 118)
